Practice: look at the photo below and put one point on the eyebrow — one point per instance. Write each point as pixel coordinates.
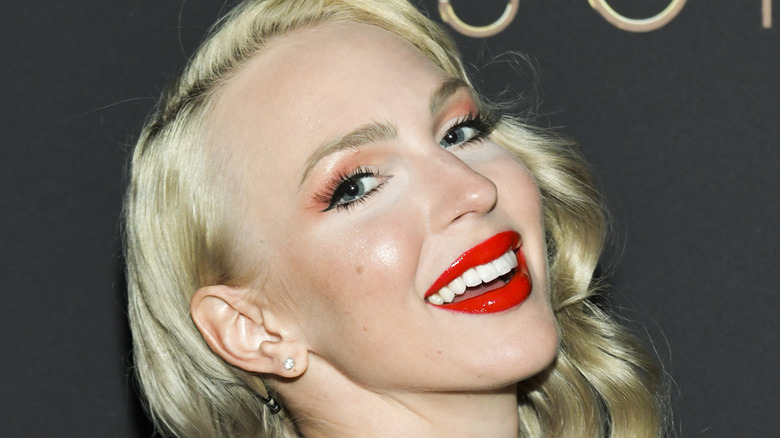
(447, 89)
(376, 132)
(370, 133)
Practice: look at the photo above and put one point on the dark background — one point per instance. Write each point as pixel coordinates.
(681, 124)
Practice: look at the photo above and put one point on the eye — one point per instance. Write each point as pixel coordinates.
(458, 135)
(468, 129)
(353, 188)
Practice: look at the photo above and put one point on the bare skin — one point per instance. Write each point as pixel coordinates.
(349, 269)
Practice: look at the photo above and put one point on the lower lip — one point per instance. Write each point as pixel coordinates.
(498, 300)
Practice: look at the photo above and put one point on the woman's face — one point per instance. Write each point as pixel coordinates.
(367, 179)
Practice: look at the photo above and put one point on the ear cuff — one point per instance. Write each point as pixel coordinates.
(272, 403)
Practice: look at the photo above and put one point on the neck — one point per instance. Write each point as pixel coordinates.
(339, 407)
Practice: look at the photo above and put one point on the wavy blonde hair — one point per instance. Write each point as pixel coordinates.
(181, 234)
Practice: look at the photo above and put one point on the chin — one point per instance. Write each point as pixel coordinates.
(530, 360)
(531, 352)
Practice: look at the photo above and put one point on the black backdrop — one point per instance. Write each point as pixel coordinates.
(682, 125)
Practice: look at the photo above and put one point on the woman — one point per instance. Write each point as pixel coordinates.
(323, 216)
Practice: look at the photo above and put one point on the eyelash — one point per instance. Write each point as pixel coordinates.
(337, 188)
(482, 124)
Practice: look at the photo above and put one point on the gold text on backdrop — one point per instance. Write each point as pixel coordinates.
(638, 25)
(766, 13)
(601, 6)
(449, 17)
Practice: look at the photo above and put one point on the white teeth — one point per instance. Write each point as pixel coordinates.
(471, 277)
(446, 294)
(474, 277)
(458, 286)
(435, 299)
(502, 265)
(487, 272)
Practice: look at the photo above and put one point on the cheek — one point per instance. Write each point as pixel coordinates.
(348, 277)
(386, 254)
(514, 182)
(375, 241)
(366, 254)
(358, 256)
(522, 202)
(515, 179)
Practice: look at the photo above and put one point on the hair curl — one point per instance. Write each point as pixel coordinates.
(180, 234)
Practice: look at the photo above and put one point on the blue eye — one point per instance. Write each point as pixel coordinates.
(468, 129)
(354, 188)
(458, 135)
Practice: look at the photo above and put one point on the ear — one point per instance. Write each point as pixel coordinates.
(244, 333)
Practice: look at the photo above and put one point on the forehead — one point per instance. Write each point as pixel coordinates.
(319, 82)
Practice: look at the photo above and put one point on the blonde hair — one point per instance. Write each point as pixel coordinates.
(181, 234)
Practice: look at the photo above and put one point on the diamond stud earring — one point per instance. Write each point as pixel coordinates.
(289, 363)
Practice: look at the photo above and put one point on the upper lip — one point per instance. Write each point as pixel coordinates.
(480, 254)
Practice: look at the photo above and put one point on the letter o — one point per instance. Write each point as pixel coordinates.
(449, 17)
(638, 25)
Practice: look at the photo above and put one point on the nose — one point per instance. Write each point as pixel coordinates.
(456, 191)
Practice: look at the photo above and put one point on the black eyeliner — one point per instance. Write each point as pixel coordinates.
(336, 188)
(483, 122)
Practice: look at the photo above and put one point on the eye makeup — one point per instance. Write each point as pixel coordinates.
(469, 129)
(348, 189)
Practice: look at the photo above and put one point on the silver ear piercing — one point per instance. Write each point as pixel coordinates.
(289, 363)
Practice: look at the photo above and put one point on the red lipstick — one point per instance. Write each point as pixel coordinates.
(505, 297)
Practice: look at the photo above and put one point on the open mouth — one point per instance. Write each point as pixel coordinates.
(489, 278)
(478, 280)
